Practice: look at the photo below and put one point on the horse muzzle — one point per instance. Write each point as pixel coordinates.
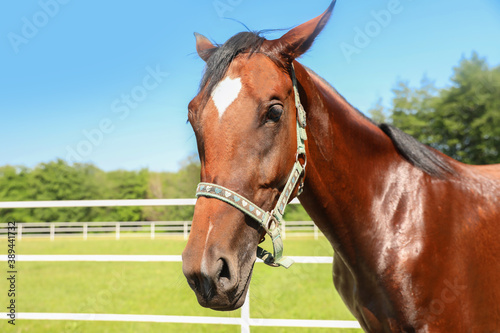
(216, 280)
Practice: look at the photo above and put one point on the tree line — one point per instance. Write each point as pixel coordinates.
(58, 180)
(462, 120)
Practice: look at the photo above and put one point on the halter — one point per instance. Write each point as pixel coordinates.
(270, 221)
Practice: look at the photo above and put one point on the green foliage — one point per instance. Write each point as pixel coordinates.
(462, 120)
(49, 181)
(378, 112)
(60, 181)
(127, 185)
(179, 185)
(469, 113)
(413, 109)
(296, 213)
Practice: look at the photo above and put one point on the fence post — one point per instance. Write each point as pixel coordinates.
(245, 314)
(316, 232)
(185, 230)
(152, 230)
(117, 230)
(85, 230)
(52, 231)
(19, 231)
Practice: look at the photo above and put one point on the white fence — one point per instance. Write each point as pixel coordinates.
(151, 229)
(95, 229)
(245, 321)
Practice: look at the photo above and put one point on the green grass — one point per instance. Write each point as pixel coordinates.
(304, 291)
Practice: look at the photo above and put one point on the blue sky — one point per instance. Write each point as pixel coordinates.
(109, 82)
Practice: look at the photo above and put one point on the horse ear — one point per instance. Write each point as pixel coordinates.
(298, 40)
(204, 46)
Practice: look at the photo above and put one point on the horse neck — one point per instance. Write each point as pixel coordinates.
(347, 155)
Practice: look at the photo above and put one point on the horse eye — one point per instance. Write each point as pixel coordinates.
(274, 114)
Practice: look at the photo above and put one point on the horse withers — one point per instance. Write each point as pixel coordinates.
(415, 232)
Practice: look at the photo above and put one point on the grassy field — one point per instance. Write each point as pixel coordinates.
(305, 291)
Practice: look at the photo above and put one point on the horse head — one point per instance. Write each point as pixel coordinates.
(245, 120)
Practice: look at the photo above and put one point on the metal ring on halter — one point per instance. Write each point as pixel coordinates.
(272, 223)
(304, 155)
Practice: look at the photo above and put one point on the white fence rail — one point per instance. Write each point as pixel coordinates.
(245, 321)
(98, 203)
(95, 229)
(151, 229)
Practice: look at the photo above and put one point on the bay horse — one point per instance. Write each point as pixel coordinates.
(414, 232)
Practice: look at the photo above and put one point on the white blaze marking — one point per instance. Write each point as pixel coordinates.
(225, 93)
(203, 266)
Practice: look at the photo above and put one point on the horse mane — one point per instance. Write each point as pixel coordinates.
(421, 156)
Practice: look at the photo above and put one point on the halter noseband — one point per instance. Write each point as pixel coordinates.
(270, 221)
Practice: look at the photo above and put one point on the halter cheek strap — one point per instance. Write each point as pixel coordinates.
(270, 221)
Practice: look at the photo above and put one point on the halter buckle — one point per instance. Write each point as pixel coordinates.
(298, 155)
(271, 223)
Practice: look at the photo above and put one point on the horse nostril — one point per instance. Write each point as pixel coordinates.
(225, 272)
(193, 282)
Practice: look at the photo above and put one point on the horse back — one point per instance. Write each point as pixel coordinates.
(472, 266)
(490, 171)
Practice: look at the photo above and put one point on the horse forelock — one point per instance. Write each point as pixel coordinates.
(223, 55)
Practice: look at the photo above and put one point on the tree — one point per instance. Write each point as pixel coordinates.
(378, 112)
(14, 184)
(468, 113)
(58, 180)
(127, 185)
(462, 121)
(178, 185)
(413, 109)
(49, 181)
